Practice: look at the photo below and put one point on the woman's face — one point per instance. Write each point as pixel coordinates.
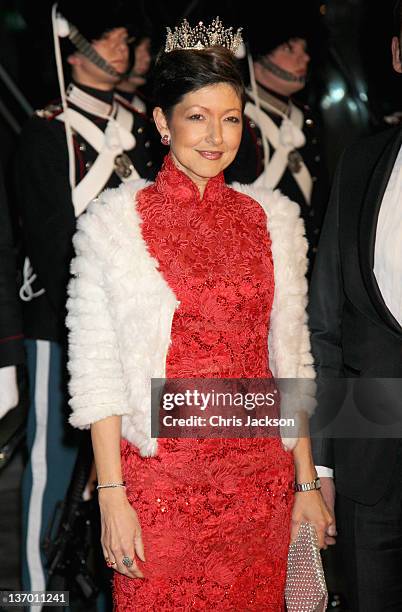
(205, 130)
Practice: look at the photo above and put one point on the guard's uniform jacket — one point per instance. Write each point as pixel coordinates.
(44, 194)
(294, 162)
(111, 144)
(11, 338)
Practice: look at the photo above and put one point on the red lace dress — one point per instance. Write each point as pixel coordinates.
(215, 513)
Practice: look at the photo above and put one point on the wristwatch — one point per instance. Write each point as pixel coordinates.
(308, 486)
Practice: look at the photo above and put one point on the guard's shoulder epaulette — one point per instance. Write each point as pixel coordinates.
(50, 111)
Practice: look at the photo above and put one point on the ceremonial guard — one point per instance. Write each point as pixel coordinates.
(68, 153)
(280, 148)
(130, 88)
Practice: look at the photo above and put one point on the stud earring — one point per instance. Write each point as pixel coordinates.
(165, 139)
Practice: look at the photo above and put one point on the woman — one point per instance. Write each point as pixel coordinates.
(178, 278)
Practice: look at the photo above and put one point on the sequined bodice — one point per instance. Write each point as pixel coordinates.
(214, 252)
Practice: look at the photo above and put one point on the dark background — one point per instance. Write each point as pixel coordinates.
(352, 85)
(353, 91)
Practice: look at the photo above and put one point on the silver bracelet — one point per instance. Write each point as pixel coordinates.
(111, 485)
(308, 486)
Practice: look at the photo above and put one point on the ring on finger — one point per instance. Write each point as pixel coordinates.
(127, 561)
(109, 563)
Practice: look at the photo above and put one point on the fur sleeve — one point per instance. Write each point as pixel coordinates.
(290, 357)
(96, 385)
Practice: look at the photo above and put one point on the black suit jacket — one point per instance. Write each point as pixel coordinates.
(353, 332)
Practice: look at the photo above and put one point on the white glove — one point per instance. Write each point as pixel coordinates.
(8, 389)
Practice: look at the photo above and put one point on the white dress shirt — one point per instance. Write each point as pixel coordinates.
(388, 243)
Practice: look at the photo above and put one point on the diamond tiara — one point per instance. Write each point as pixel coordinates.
(202, 37)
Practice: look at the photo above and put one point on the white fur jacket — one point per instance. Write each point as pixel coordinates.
(120, 311)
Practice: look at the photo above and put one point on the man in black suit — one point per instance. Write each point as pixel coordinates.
(356, 323)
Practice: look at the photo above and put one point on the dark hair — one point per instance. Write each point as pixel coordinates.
(183, 71)
(397, 15)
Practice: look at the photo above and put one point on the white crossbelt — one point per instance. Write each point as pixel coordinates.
(116, 139)
(276, 166)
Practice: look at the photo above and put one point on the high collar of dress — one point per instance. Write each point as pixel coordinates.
(171, 181)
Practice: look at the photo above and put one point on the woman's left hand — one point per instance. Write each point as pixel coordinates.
(309, 507)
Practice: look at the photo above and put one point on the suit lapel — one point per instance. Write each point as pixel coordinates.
(368, 226)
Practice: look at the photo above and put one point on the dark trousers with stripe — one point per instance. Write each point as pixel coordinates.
(52, 447)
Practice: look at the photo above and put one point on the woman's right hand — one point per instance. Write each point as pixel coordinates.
(121, 532)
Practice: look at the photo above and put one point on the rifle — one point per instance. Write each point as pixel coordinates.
(68, 549)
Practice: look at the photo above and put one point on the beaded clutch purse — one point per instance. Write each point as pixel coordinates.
(305, 589)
